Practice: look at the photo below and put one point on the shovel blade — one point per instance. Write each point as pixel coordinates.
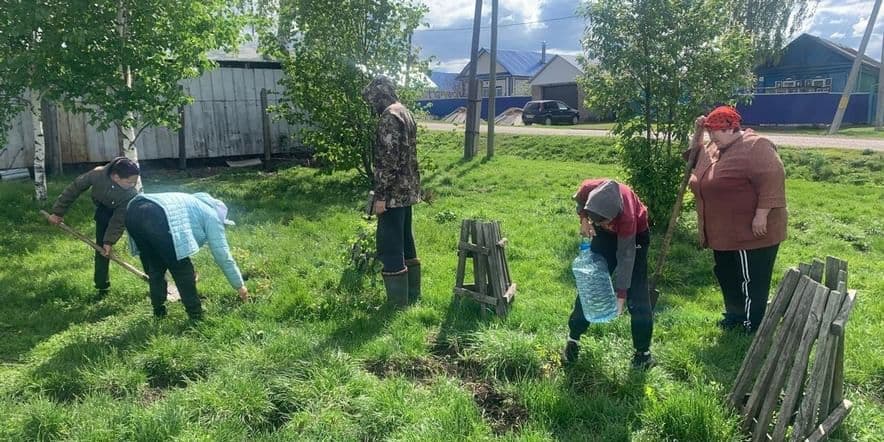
(172, 294)
(655, 295)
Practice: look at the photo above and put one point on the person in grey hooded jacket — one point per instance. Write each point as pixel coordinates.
(617, 221)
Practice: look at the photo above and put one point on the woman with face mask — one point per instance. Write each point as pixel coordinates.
(113, 186)
(740, 189)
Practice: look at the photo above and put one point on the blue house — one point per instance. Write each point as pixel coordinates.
(812, 64)
(804, 86)
(514, 71)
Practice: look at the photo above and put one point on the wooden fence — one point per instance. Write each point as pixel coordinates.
(225, 119)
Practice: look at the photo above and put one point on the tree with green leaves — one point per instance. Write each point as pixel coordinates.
(118, 61)
(657, 65)
(770, 23)
(29, 48)
(122, 60)
(330, 50)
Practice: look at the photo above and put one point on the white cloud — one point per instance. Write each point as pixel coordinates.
(859, 28)
(845, 7)
(837, 21)
(564, 51)
(530, 10)
(452, 65)
(444, 13)
(838, 35)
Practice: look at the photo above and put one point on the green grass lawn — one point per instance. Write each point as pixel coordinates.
(317, 356)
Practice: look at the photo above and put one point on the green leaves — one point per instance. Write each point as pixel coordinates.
(76, 51)
(336, 48)
(770, 22)
(657, 65)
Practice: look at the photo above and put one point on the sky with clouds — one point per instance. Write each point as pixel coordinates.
(524, 24)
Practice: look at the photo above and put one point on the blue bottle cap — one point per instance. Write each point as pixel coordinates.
(584, 245)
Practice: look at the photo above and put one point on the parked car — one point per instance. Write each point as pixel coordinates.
(548, 112)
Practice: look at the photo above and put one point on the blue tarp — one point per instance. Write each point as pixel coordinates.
(445, 106)
(810, 108)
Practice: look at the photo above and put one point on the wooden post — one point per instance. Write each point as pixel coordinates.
(760, 345)
(182, 145)
(807, 414)
(783, 364)
(816, 270)
(493, 287)
(801, 355)
(804, 268)
(854, 71)
(474, 104)
(838, 371)
(879, 111)
(766, 373)
(265, 125)
(492, 80)
(50, 138)
(839, 413)
(833, 265)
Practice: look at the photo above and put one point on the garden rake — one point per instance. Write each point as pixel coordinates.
(171, 291)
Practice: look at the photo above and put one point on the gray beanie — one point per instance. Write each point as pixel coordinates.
(605, 201)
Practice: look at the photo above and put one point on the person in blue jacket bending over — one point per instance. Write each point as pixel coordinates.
(165, 230)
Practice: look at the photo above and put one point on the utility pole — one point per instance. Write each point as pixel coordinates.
(879, 113)
(408, 60)
(492, 81)
(854, 72)
(474, 104)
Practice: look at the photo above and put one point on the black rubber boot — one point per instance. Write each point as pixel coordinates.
(397, 288)
(642, 360)
(414, 280)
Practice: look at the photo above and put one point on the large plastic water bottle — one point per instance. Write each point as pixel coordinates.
(594, 285)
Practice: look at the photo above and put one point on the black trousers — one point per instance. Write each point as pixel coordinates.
(638, 299)
(394, 239)
(744, 277)
(101, 277)
(149, 228)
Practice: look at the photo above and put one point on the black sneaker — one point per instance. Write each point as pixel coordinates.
(195, 316)
(643, 360)
(159, 312)
(571, 352)
(727, 324)
(100, 294)
(750, 328)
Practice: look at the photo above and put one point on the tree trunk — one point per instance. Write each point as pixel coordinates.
(127, 132)
(39, 146)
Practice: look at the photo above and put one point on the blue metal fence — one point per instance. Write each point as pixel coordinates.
(810, 108)
(445, 106)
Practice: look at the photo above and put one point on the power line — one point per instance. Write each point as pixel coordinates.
(500, 26)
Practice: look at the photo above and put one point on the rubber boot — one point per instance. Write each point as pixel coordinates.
(397, 288)
(414, 280)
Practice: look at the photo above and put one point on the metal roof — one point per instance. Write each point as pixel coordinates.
(444, 81)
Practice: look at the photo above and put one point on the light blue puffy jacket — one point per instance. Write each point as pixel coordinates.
(193, 221)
